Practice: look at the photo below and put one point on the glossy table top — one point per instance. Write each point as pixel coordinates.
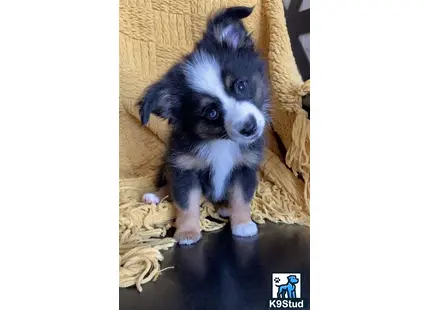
(222, 272)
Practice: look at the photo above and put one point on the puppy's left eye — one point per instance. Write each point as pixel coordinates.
(240, 86)
(211, 114)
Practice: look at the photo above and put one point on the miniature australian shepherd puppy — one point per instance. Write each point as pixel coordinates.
(216, 100)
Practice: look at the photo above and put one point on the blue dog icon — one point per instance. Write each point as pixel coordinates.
(288, 290)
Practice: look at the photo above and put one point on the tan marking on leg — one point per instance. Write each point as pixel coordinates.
(188, 220)
(240, 218)
(240, 210)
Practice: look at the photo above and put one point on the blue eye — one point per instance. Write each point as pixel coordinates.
(211, 114)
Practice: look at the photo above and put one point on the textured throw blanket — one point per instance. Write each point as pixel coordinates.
(153, 35)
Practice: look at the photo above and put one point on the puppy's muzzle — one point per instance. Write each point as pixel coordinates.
(249, 127)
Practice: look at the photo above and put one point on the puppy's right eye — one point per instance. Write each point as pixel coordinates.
(211, 114)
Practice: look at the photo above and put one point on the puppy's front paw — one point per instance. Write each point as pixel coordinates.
(245, 229)
(151, 198)
(187, 237)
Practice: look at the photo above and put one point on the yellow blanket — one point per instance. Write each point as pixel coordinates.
(153, 35)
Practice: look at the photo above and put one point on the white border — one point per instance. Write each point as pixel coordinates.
(369, 154)
(59, 158)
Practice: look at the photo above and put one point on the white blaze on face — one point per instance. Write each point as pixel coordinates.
(203, 74)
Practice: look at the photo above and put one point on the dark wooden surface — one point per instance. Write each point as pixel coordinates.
(222, 272)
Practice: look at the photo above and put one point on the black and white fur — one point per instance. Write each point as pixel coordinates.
(216, 100)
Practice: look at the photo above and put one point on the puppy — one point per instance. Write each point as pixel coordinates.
(216, 100)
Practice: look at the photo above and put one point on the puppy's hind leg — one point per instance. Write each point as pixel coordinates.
(155, 198)
(223, 209)
(163, 189)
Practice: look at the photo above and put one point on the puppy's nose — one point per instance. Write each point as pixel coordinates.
(249, 126)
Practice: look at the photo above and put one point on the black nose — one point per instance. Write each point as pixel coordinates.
(249, 127)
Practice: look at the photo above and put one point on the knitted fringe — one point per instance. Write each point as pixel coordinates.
(143, 227)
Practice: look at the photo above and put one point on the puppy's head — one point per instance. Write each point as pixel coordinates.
(220, 90)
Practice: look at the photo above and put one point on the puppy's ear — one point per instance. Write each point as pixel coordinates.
(158, 99)
(227, 28)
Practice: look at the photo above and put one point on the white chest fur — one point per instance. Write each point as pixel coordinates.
(221, 156)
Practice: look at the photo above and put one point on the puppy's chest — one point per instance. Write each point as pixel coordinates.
(219, 155)
(219, 158)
